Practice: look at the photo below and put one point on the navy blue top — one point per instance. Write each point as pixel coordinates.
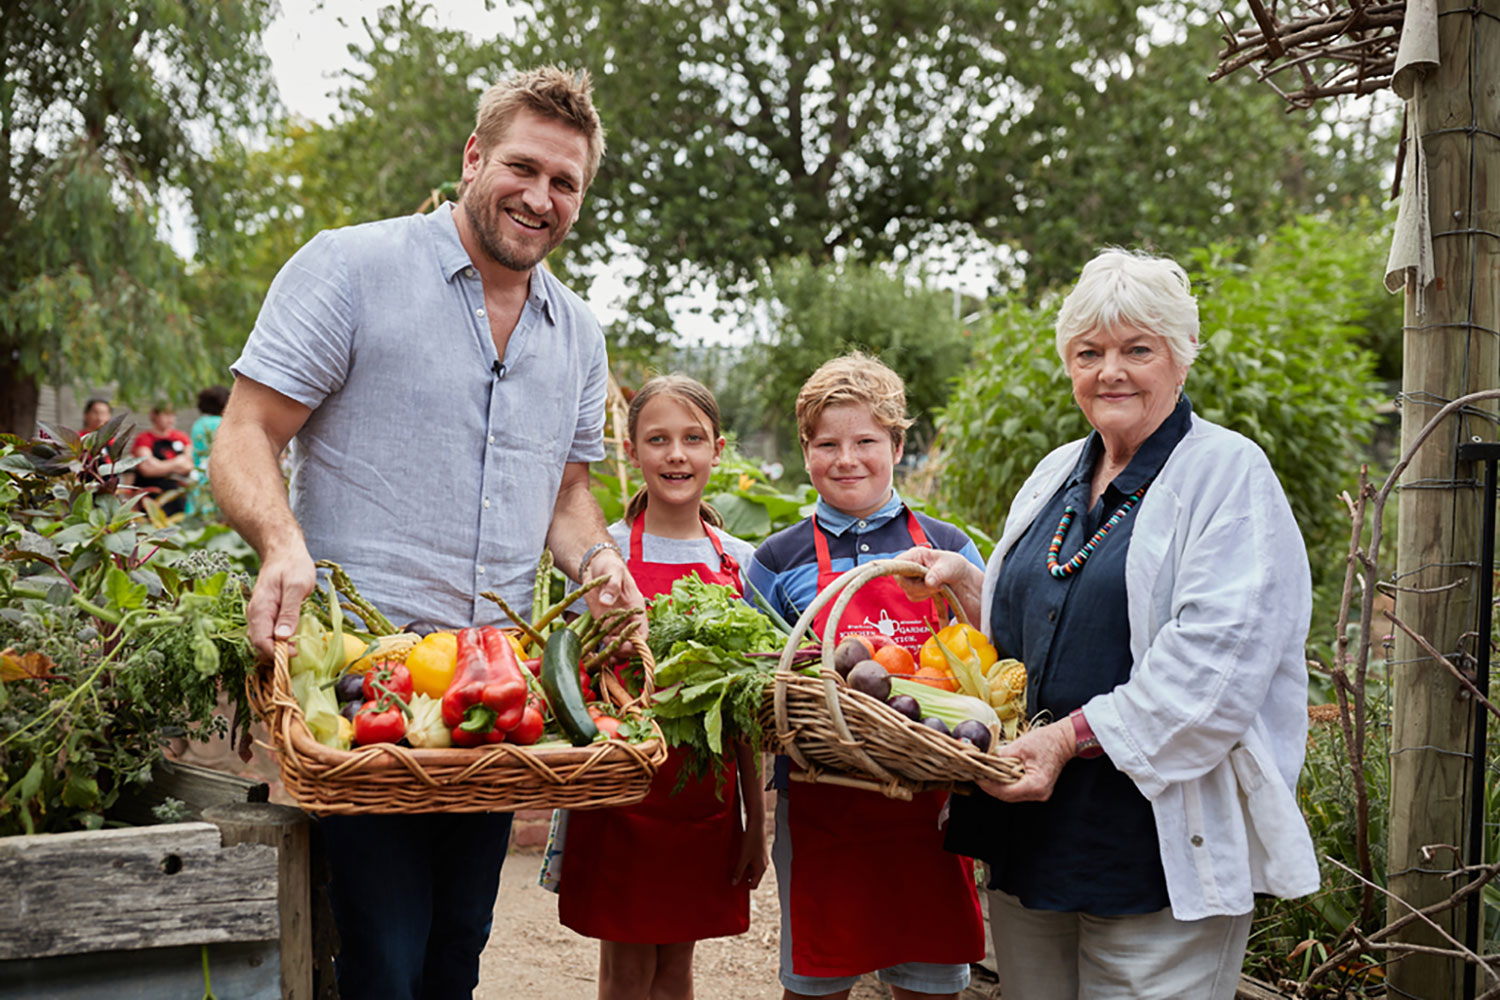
(1073, 635)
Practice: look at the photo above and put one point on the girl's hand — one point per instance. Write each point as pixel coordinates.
(751, 864)
(1044, 751)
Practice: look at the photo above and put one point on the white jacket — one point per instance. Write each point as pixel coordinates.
(1212, 725)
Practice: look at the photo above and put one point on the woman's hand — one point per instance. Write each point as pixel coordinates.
(961, 576)
(1044, 751)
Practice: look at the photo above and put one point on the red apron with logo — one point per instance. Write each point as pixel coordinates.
(871, 885)
(658, 872)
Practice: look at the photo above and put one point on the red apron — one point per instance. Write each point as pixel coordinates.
(658, 872)
(871, 885)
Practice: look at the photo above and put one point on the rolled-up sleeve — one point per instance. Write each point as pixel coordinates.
(303, 339)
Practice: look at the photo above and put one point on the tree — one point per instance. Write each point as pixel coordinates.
(404, 115)
(748, 131)
(105, 109)
(815, 313)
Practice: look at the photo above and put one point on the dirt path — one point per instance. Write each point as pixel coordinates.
(531, 955)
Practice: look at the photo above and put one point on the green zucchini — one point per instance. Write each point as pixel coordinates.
(560, 661)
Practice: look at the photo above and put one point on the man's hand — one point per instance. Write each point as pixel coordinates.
(275, 603)
(619, 591)
(1044, 751)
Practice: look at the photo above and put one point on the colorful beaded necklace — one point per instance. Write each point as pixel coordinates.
(1072, 566)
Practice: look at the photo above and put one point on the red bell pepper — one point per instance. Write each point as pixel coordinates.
(488, 692)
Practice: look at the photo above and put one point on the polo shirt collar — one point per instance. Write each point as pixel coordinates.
(836, 522)
(454, 260)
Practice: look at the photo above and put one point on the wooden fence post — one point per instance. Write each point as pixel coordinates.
(288, 830)
(1451, 348)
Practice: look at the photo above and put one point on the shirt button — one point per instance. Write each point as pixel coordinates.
(486, 503)
(861, 524)
(1197, 840)
(864, 548)
(479, 313)
(1052, 615)
(492, 439)
(468, 272)
(479, 570)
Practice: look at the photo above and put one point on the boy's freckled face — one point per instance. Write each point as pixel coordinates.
(849, 459)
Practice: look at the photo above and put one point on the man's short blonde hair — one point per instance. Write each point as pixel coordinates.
(854, 378)
(550, 92)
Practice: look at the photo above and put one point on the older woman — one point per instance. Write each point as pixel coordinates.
(1152, 579)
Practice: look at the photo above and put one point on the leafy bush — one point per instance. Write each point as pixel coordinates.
(1281, 363)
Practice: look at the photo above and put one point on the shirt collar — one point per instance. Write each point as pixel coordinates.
(836, 522)
(1148, 458)
(454, 261)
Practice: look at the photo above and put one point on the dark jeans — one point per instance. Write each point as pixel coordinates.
(412, 897)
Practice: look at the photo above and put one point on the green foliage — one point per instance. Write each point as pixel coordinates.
(749, 132)
(1281, 363)
(1290, 937)
(105, 105)
(114, 639)
(817, 313)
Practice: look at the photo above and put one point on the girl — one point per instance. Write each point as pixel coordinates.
(651, 879)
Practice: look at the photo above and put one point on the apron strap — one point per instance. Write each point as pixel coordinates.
(727, 563)
(825, 563)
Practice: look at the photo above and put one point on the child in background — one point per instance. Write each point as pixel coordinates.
(651, 879)
(865, 884)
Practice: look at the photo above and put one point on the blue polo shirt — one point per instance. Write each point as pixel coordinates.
(1073, 634)
(429, 468)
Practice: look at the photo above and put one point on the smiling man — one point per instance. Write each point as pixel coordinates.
(442, 396)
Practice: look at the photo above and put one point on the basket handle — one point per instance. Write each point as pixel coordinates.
(843, 588)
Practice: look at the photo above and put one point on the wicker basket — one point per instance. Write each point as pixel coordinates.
(825, 726)
(386, 778)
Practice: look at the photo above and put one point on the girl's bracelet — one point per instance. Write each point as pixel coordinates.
(588, 557)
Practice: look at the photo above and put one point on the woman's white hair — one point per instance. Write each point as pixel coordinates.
(1121, 288)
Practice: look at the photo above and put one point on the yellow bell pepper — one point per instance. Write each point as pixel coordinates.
(961, 640)
(432, 663)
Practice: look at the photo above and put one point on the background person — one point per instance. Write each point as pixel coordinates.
(211, 402)
(683, 855)
(96, 413)
(1152, 579)
(444, 396)
(847, 859)
(166, 455)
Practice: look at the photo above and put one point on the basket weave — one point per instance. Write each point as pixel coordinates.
(386, 778)
(824, 725)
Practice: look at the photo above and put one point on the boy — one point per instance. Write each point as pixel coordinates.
(864, 881)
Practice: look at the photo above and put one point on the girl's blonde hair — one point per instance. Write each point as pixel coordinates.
(858, 378)
(686, 389)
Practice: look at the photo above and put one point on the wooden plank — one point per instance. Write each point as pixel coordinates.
(244, 970)
(288, 832)
(142, 887)
(195, 786)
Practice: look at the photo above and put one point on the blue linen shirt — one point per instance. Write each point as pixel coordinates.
(429, 468)
(1073, 634)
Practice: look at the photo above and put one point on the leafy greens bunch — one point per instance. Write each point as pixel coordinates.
(112, 639)
(713, 665)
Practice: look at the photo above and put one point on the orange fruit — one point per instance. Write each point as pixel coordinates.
(936, 677)
(896, 660)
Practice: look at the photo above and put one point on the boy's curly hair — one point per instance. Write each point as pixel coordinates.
(857, 378)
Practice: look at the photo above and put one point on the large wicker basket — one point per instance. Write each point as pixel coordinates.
(386, 778)
(838, 735)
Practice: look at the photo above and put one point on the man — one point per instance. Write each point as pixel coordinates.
(166, 455)
(446, 395)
